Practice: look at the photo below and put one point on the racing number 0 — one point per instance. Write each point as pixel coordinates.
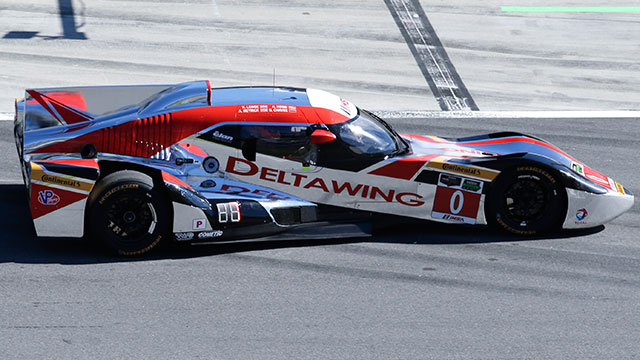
(452, 204)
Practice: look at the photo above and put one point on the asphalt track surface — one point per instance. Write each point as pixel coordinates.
(417, 290)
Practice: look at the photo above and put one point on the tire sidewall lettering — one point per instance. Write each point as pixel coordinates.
(537, 170)
(109, 193)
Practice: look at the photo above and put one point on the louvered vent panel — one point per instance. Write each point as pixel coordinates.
(141, 138)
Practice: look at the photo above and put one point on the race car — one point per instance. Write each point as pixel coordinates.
(133, 166)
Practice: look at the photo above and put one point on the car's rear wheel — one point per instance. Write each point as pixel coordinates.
(128, 213)
(526, 200)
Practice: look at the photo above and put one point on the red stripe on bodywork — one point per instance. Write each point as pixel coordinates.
(404, 168)
(494, 142)
(147, 136)
(141, 137)
(193, 149)
(174, 180)
(76, 162)
(516, 139)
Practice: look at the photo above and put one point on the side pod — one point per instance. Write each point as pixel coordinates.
(58, 192)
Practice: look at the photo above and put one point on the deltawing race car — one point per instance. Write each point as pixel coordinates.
(136, 165)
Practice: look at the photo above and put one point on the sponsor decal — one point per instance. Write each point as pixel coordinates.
(235, 189)
(457, 201)
(48, 197)
(460, 169)
(620, 188)
(344, 107)
(220, 136)
(450, 180)
(472, 185)
(598, 178)
(45, 200)
(455, 205)
(210, 234)
(453, 218)
(184, 236)
(243, 167)
(582, 214)
(38, 175)
(199, 224)
(482, 173)
(578, 168)
(460, 183)
(60, 181)
(267, 109)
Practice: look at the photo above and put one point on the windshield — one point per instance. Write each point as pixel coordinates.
(368, 135)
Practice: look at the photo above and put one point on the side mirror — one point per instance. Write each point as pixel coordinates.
(248, 147)
(320, 136)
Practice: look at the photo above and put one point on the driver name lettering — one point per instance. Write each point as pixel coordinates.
(267, 109)
(243, 167)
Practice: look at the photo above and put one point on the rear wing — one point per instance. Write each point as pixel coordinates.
(62, 106)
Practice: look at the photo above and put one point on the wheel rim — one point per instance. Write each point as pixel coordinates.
(131, 217)
(525, 200)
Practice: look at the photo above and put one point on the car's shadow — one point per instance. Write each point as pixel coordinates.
(19, 243)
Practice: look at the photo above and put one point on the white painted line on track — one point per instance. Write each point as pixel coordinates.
(540, 114)
(6, 116)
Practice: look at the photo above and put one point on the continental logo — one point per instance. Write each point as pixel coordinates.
(38, 174)
(116, 189)
(60, 181)
(477, 172)
(462, 170)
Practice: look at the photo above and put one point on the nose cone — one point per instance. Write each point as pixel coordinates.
(587, 210)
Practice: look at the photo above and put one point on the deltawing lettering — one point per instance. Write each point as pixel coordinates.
(243, 167)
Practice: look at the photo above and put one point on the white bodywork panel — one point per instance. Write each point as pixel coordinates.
(66, 221)
(587, 210)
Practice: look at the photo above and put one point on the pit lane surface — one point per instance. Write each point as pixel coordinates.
(413, 291)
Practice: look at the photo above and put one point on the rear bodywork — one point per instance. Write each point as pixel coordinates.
(238, 163)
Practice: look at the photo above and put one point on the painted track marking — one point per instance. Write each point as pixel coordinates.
(535, 114)
(436, 66)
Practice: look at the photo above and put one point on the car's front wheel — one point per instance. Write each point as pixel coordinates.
(526, 200)
(128, 213)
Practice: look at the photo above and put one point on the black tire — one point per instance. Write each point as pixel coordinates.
(526, 200)
(128, 213)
